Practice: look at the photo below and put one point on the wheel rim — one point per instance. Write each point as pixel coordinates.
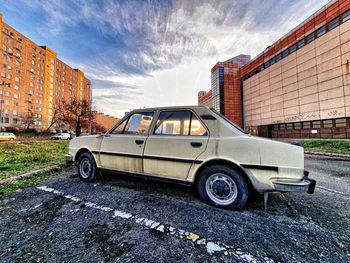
(85, 168)
(221, 189)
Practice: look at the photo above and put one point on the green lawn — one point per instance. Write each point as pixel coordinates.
(6, 189)
(21, 157)
(327, 146)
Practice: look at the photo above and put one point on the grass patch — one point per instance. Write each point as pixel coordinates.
(7, 189)
(21, 157)
(327, 146)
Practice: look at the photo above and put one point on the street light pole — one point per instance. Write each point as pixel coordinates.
(2, 84)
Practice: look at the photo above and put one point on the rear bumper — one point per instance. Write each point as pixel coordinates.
(306, 185)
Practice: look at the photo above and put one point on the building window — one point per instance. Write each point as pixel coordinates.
(285, 53)
(316, 124)
(282, 127)
(340, 123)
(306, 125)
(346, 16)
(292, 49)
(321, 31)
(333, 24)
(327, 123)
(289, 126)
(275, 127)
(297, 126)
(301, 43)
(310, 38)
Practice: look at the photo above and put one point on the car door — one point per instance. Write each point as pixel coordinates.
(178, 138)
(122, 148)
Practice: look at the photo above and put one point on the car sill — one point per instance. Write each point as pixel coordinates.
(147, 176)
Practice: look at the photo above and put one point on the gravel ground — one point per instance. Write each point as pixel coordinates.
(122, 219)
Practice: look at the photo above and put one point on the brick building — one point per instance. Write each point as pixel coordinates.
(226, 87)
(103, 122)
(204, 98)
(300, 85)
(37, 80)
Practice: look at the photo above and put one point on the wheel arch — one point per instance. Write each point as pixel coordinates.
(225, 162)
(80, 152)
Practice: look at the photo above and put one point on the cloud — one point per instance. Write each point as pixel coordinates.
(137, 51)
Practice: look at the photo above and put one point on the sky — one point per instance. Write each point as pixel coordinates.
(153, 53)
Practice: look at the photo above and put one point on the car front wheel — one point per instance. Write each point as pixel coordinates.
(223, 187)
(87, 168)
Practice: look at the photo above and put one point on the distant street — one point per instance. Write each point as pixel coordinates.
(122, 219)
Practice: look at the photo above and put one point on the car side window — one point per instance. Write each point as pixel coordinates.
(179, 123)
(138, 123)
(120, 128)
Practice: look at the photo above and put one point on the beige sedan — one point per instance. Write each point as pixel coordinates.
(7, 136)
(193, 146)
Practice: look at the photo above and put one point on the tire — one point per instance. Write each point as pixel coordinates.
(87, 168)
(223, 187)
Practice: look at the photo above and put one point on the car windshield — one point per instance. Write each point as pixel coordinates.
(228, 121)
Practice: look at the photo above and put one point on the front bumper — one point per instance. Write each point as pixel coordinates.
(306, 185)
(69, 159)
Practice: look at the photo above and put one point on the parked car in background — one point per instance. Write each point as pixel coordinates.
(196, 146)
(61, 136)
(7, 136)
(14, 130)
(84, 134)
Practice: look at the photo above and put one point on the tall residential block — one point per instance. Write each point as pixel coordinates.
(298, 87)
(38, 81)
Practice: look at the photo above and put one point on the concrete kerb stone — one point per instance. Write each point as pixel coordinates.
(30, 174)
(334, 155)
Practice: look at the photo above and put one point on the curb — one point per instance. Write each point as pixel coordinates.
(29, 174)
(337, 155)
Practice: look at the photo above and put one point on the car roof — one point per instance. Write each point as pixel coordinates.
(170, 108)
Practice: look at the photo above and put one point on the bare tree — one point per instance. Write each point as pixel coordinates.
(27, 119)
(57, 116)
(78, 114)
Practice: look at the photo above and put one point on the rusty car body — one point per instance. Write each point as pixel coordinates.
(193, 145)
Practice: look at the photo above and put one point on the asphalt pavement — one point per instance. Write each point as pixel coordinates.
(124, 219)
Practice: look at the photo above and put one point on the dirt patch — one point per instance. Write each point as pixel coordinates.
(101, 237)
(48, 213)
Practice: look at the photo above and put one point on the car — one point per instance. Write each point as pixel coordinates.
(193, 145)
(7, 136)
(84, 134)
(61, 136)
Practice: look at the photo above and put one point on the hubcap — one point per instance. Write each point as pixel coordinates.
(85, 168)
(221, 189)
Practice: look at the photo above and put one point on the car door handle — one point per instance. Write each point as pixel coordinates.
(196, 144)
(139, 142)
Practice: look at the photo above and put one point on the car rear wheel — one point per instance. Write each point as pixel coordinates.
(87, 168)
(223, 187)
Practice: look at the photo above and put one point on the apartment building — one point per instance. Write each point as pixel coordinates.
(34, 81)
(299, 86)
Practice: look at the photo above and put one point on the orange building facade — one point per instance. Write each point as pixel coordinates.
(102, 122)
(299, 87)
(36, 81)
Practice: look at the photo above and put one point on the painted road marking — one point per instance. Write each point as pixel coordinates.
(331, 190)
(210, 246)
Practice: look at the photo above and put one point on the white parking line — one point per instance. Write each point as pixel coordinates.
(211, 246)
(331, 190)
